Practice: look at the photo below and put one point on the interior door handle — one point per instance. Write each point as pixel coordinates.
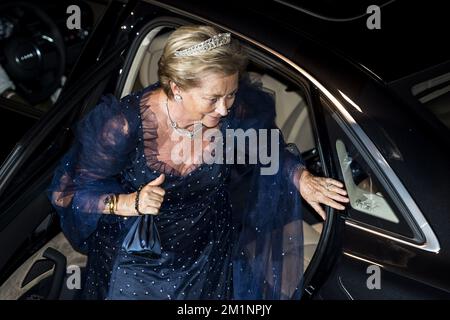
(59, 272)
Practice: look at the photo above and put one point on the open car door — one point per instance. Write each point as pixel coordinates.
(36, 261)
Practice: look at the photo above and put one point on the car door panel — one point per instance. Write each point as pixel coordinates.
(23, 284)
(353, 279)
(377, 258)
(22, 226)
(25, 177)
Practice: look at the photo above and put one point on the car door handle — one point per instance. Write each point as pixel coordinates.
(59, 272)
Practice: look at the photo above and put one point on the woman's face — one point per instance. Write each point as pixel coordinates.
(211, 100)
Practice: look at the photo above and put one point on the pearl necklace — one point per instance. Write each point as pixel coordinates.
(184, 132)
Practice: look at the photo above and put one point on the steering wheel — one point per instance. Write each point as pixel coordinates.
(34, 59)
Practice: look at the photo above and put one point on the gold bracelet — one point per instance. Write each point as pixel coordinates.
(116, 201)
(111, 203)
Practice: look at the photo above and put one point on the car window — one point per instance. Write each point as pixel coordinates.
(364, 193)
(434, 94)
(373, 203)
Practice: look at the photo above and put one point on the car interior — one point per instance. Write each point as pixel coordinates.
(37, 54)
(40, 276)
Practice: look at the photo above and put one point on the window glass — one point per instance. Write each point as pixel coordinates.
(364, 194)
(373, 204)
(434, 94)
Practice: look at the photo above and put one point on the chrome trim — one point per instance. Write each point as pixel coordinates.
(323, 17)
(427, 246)
(345, 289)
(354, 105)
(47, 38)
(362, 259)
(431, 243)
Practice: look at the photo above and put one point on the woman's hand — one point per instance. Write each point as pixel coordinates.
(317, 190)
(150, 199)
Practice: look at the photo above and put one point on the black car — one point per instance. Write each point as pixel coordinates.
(369, 106)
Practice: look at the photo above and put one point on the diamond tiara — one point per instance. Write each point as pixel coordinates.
(216, 41)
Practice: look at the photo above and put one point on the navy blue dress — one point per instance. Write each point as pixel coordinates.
(198, 247)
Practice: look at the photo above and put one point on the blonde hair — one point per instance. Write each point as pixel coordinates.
(188, 71)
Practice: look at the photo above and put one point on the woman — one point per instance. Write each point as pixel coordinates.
(157, 223)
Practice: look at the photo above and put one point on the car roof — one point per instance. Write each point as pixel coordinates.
(411, 38)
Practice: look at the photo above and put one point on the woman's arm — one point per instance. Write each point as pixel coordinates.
(150, 200)
(89, 171)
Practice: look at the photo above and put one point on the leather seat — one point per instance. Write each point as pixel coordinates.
(291, 111)
(148, 73)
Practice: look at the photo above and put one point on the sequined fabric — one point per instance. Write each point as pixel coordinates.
(207, 250)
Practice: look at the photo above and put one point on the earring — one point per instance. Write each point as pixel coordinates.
(178, 98)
